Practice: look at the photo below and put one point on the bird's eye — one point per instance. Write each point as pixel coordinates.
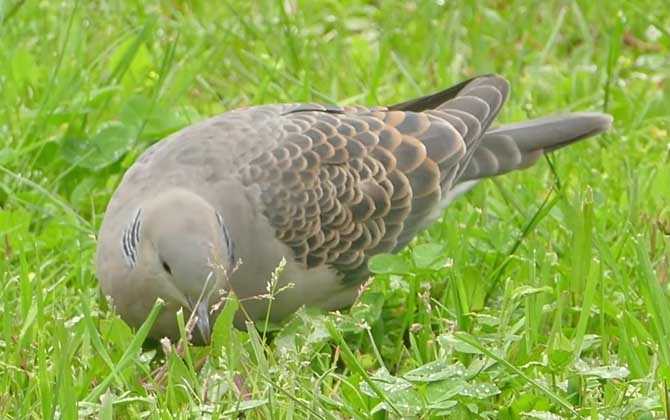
(166, 267)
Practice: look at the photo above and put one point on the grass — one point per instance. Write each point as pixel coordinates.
(543, 294)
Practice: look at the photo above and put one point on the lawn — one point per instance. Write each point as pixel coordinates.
(541, 294)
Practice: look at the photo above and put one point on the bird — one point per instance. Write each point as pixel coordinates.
(216, 207)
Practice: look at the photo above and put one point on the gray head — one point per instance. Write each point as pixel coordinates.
(176, 247)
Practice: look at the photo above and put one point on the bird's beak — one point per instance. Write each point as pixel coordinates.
(202, 312)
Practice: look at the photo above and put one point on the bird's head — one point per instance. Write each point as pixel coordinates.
(177, 247)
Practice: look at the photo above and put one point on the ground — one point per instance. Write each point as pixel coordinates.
(542, 294)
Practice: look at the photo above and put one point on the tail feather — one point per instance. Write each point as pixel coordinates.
(517, 146)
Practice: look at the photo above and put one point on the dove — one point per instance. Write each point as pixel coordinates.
(215, 208)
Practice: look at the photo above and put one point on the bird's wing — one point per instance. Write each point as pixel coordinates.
(343, 184)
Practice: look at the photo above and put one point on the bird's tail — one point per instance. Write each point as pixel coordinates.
(518, 146)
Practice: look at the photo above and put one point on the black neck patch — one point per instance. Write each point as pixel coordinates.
(227, 240)
(131, 238)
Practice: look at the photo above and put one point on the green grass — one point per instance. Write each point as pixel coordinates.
(543, 293)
